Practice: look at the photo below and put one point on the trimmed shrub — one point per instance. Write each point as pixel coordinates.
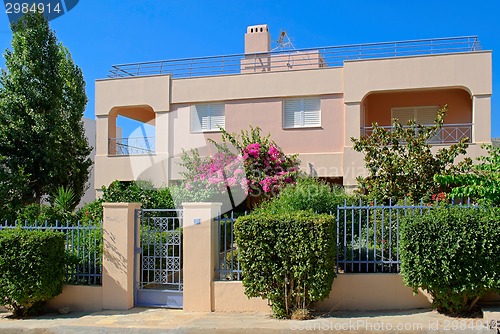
(32, 268)
(453, 253)
(288, 259)
(307, 194)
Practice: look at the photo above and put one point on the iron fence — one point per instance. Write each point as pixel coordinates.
(83, 248)
(131, 146)
(368, 235)
(229, 268)
(285, 60)
(367, 238)
(447, 134)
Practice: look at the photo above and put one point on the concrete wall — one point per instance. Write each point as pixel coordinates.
(349, 292)
(78, 298)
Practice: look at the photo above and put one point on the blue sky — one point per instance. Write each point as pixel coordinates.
(102, 33)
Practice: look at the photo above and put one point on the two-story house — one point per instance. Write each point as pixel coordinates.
(312, 101)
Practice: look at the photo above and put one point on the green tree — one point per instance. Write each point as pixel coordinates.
(42, 100)
(481, 183)
(401, 164)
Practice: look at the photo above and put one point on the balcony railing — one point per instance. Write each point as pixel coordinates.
(448, 134)
(332, 56)
(131, 146)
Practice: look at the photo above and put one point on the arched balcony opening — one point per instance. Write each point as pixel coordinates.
(131, 131)
(421, 105)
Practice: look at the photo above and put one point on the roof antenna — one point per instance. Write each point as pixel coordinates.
(284, 43)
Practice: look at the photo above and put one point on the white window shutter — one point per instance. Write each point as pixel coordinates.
(217, 116)
(403, 115)
(426, 115)
(200, 117)
(312, 112)
(292, 117)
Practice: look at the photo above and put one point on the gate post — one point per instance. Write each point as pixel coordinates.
(199, 254)
(118, 255)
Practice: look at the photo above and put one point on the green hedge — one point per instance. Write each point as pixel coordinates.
(308, 193)
(288, 259)
(32, 268)
(454, 253)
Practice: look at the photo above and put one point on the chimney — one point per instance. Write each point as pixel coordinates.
(257, 39)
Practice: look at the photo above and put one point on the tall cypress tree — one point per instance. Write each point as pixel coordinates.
(42, 101)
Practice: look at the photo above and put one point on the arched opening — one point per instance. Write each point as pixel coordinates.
(421, 105)
(131, 131)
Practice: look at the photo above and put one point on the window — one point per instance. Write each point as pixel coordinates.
(422, 115)
(299, 113)
(207, 117)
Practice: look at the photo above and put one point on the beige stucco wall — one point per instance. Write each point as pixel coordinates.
(153, 168)
(257, 85)
(199, 246)
(151, 91)
(471, 70)
(349, 292)
(79, 298)
(230, 297)
(118, 255)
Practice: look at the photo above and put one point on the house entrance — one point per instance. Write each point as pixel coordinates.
(158, 268)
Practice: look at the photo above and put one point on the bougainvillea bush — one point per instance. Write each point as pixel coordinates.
(245, 164)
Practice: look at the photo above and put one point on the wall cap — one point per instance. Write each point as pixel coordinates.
(201, 205)
(120, 205)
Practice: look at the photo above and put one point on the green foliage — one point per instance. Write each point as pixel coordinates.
(400, 162)
(42, 100)
(482, 183)
(132, 192)
(65, 200)
(453, 253)
(307, 193)
(288, 259)
(32, 268)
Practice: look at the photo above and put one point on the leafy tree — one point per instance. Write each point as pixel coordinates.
(481, 183)
(401, 164)
(42, 100)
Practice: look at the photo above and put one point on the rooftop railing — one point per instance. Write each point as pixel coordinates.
(285, 60)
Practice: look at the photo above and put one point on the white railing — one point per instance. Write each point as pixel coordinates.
(131, 146)
(447, 134)
(285, 60)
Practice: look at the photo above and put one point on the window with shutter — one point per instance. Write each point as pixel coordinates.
(207, 117)
(403, 115)
(425, 115)
(303, 112)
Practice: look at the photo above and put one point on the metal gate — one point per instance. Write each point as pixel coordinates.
(159, 260)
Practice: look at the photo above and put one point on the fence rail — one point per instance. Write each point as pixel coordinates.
(367, 238)
(229, 268)
(131, 146)
(83, 245)
(447, 134)
(284, 60)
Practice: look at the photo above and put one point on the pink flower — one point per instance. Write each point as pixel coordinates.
(238, 172)
(188, 186)
(253, 150)
(231, 182)
(273, 153)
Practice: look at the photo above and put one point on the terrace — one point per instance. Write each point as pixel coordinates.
(295, 59)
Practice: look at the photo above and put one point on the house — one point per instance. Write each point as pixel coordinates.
(312, 101)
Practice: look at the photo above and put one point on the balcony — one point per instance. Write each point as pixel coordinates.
(448, 134)
(296, 59)
(131, 146)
